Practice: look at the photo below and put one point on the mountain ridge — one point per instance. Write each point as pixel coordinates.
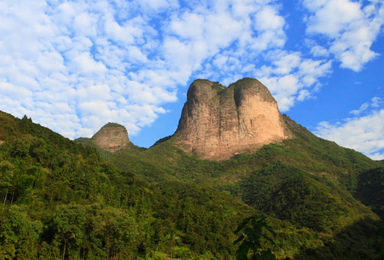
(218, 122)
(311, 189)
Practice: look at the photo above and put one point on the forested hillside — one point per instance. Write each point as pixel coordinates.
(65, 200)
(311, 183)
(59, 200)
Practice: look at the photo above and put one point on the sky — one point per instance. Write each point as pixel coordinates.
(74, 66)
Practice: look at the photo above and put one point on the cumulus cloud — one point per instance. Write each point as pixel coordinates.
(350, 26)
(319, 51)
(76, 65)
(65, 65)
(292, 78)
(364, 132)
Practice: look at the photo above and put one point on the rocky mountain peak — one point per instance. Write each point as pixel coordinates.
(111, 137)
(218, 122)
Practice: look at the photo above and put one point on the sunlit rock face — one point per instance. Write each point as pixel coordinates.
(112, 137)
(218, 122)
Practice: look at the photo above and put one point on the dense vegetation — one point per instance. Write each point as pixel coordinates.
(65, 200)
(370, 189)
(291, 194)
(60, 200)
(309, 183)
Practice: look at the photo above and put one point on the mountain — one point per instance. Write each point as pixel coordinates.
(74, 200)
(219, 122)
(310, 182)
(111, 137)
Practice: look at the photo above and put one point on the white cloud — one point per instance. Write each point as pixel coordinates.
(361, 109)
(13, 91)
(125, 34)
(292, 78)
(85, 24)
(364, 133)
(85, 63)
(268, 19)
(189, 26)
(319, 51)
(350, 26)
(157, 5)
(283, 88)
(311, 70)
(375, 103)
(331, 17)
(69, 61)
(287, 63)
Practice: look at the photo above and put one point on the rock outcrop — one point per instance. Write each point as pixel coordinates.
(219, 122)
(112, 137)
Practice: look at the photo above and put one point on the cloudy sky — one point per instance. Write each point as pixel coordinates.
(73, 66)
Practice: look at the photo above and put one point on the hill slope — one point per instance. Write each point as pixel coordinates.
(59, 199)
(307, 181)
(65, 199)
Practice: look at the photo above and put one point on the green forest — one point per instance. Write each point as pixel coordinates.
(63, 199)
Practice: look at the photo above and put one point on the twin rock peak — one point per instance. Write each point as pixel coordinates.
(217, 122)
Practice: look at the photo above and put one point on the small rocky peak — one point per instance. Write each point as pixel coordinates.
(112, 137)
(218, 122)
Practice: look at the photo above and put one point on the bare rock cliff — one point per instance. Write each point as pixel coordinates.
(111, 137)
(218, 122)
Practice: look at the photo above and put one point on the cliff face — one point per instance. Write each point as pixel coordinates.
(218, 122)
(111, 137)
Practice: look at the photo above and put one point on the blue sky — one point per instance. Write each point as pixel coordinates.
(73, 66)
